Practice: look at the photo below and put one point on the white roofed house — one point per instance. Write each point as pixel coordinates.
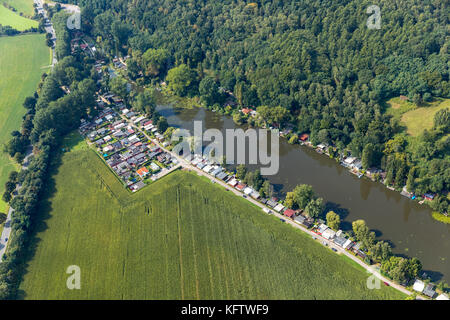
(248, 190)
(207, 168)
(442, 296)
(255, 195)
(349, 160)
(233, 182)
(322, 228)
(328, 234)
(279, 207)
(419, 285)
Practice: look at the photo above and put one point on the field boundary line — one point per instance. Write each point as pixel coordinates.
(179, 243)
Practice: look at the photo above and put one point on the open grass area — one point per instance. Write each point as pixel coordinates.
(21, 61)
(415, 119)
(22, 6)
(419, 119)
(13, 19)
(180, 238)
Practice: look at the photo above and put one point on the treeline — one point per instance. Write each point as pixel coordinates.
(50, 115)
(398, 268)
(10, 31)
(253, 179)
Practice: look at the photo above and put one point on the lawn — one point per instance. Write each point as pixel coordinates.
(21, 62)
(415, 119)
(422, 118)
(179, 238)
(10, 18)
(23, 6)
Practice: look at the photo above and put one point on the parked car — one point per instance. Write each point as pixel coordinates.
(334, 249)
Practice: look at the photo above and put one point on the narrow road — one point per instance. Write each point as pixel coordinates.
(49, 29)
(7, 227)
(293, 223)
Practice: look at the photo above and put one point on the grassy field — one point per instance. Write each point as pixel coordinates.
(23, 6)
(420, 119)
(415, 119)
(180, 238)
(10, 18)
(21, 62)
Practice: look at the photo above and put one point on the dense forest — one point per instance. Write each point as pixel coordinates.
(311, 64)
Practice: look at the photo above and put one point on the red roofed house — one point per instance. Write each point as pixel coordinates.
(246, 110)
(142, 172)
(304, 137)
(289, 213)
(240, 186)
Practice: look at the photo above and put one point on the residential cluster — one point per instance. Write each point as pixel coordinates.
(120, 138)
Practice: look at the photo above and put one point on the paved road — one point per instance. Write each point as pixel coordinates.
(48, 29)
(7, 227)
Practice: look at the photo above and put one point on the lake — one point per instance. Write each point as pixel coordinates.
(407, 225)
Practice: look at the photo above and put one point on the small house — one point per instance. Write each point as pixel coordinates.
(304, 137)
(340, 241)
(429, 196)
(289, 213)
(349, 160)
(154, 167)
(322, 228)
(328, 234)
(255, 195)
(442, 297)
(429, 290)
(279, 207)
(142, 172)
(271, 203)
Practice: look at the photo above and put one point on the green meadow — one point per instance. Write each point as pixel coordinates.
(415, 119)
(13, 19)
(21, 66)
(180, 238)
(22, 6)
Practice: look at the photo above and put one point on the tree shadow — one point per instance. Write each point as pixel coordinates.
(38, 221)
(434, 276)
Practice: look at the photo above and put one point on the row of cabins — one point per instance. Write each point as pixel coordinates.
(355, 165)
(209, 167)
(339, 239)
